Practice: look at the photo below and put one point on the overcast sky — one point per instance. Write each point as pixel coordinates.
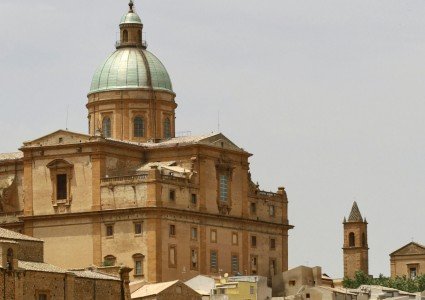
(327, 95)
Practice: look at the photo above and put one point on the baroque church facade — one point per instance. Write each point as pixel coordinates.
(130, 192)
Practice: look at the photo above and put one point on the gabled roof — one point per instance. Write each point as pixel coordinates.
(411, 248)
(67, 137)
(152, 289)
(355, 215)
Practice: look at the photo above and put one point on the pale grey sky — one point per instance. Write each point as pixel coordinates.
(327, 95)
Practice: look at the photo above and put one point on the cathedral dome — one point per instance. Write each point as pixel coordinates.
(131, 68)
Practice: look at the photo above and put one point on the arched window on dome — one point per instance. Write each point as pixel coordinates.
(139, 127)
(106, 127)
(125, 36)
(139, 36)
(167, 128)
(351, 239)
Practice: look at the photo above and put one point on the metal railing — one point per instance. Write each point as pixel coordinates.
(143, 44)
(124, 178)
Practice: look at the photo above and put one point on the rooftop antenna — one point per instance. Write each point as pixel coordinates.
(67, 114)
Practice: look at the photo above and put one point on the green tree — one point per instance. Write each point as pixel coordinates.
(400, 282)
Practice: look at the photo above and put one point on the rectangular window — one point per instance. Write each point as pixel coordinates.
(213, 236)
(273, 267)
(253, 208)
(109, 230)
(412, 273)
(172, 230)
(271, 210)
(253, 241)
(193, 259)
(272, 244)
(213, 261)
(193, 233)
(172, 195)
(234, 238)
(138, 228)
(251, 290)
(61, 187)
(224, 188)
(138, 270)
(42, 296)
(193, 199)
(254, 264)
(235, 263)
(172, 256)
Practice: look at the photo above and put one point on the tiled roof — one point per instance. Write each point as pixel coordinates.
(40, 267)
(182, 140)
(12, 235)
(94, 275)
(11, 156)
(355, 215)
(45, 267)
(152, 289)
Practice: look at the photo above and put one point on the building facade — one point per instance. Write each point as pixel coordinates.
(355, 249)
(408, 261)
(25, 275)
(131, 192)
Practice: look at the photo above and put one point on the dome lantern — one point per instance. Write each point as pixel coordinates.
(131, 30)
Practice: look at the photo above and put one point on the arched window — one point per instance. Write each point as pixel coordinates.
(106, 127)
(363, 240)
(10, 259)
(138, 264)
(125, 36)
(109, 260)
(351, 239)
(139, 36)
(167, 128)
(139, 127)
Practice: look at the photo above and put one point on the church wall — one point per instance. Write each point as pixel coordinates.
(81, 184)
(223, 244)
(65, 237)
(125, 242)
(124, 196)
(400, 264)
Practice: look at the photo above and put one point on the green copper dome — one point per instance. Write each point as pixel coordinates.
(130, 68)
(131, 18)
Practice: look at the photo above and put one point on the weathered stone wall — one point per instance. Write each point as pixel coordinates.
(91, 289)
(31, 251)
(178, 292)
(51, 283)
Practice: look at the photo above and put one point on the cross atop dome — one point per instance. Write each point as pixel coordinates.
(131, 4)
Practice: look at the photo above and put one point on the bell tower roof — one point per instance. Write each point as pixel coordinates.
(355, 215)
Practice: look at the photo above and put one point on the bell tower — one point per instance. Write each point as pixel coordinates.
(355, 249)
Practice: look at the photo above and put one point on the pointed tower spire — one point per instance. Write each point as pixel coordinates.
(355, 215)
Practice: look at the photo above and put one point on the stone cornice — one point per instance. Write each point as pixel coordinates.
(159, 211)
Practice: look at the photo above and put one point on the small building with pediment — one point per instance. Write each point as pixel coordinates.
(408, 261)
